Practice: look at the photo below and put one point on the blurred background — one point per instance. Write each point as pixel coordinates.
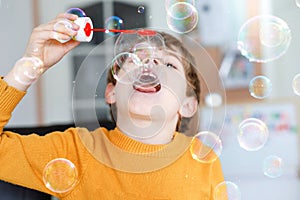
(251, 46)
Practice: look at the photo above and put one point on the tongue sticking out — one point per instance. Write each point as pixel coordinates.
(147, 83)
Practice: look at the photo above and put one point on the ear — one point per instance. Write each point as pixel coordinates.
(110, 96)
(188, 107)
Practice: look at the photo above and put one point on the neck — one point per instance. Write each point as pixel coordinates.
(147, 130)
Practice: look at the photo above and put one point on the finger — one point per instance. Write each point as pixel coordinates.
(71, 45)
(50, 25)
(68, 16)
(62, 38)
(64, 27)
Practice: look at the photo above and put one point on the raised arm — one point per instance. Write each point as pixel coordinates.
(43, 51)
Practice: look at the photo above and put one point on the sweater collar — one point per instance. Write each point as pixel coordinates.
(128, 144)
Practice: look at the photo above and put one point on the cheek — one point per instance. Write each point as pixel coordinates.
(176, 84)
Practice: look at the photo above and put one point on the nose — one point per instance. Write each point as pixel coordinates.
(151, 61)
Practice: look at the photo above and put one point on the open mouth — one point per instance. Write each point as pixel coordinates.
(147, 83)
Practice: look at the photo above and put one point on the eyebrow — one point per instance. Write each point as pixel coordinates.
(174, 54)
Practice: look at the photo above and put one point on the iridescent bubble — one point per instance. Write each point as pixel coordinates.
(296, 84)
(182, 17)
(141, 9)
(206, 147)
(125, 67)
(297, 3)
(115, 23)
(60, 175)
(169, 3)
(227, 190)
(213, 100)
(272, 166)
(253, 134)
(60, 26)
(76, 11)
(144, 43)
(260, 87)
(264, 38)
(28, 70)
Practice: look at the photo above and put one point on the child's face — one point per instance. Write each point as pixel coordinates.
(163, 104)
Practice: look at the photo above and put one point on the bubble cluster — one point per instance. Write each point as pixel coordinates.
(260, 87)
(206, 147)
(115, 23)
(76, 11)
(137, 59)
(296, 84)
(125, 67)
(28, 70)
(272, 166)
(253, 134)
(182, 17)
(60, 175)
(264, 38)
(227, 190)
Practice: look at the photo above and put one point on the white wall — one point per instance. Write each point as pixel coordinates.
(16, 25)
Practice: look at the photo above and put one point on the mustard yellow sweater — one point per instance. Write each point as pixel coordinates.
(110, 165)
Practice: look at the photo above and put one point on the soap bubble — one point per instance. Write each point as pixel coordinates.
(182, 17)
(76, 11)
(264, 38)
(115, 23)
(60, 175)
(253, 134)
(28, 70)
(59, 27)
(296, 84)
(206, 147)
(213, 100)
(227, 190)
(169, 3)
(141, 9)
(260, 87)
(272, 166)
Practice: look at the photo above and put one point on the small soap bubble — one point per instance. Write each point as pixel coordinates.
(253, 134)
(182, 17)
(213, 100)
(264, 38)
(141, 9)
(297, 3)
(272, 166)
(28, 69)
(76, 11)
(206, 147)
(125, 67)
(227, 190)
(296, 84)
(60, 175)
(59, 27)
(169, 3)
(115, 23)
(260, 87)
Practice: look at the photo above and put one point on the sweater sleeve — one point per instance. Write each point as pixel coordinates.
(23, 158)
(9, 98)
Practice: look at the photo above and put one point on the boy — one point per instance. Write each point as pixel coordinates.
(143, 158)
